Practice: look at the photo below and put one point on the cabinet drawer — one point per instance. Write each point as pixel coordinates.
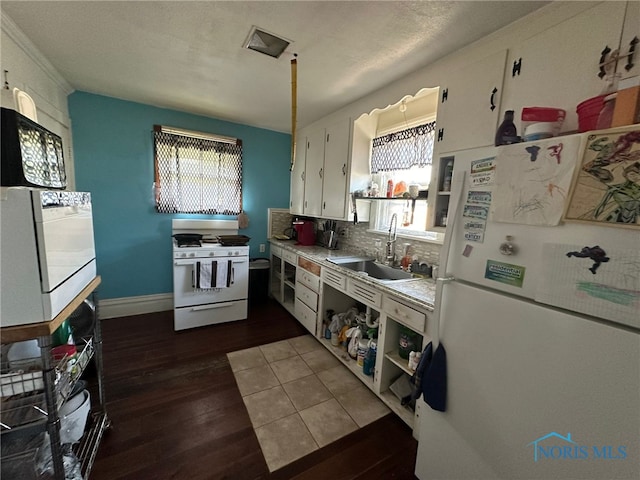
(308, 296)
(290, 257)
(276, 250)
(305, 316)
(308, 265)
(308, 279)
(334, 279)
(364, 293)
(407, 315)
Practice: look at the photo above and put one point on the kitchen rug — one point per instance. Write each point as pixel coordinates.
(300, 398)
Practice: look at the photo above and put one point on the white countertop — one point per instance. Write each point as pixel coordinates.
(420, 291)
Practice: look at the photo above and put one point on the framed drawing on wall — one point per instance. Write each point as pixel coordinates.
(606, 188)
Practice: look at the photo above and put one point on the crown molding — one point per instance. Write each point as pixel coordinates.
(18, 36)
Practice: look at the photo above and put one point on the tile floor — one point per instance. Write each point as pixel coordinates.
(300, 397)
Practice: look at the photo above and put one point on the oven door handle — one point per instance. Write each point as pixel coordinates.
(212, 306)
(183, 262)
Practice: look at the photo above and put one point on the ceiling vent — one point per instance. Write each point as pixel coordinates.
(266, 43)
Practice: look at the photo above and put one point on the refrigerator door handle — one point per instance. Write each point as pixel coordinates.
(443, 278)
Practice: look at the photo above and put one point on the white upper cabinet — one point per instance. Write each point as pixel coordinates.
(559, 66)
(629, 65)
(319, 176)
(469, 110)
(336, 160)
(314, 172)
(296, 207)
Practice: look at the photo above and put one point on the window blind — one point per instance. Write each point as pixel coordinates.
(404, 149)
(196, 174)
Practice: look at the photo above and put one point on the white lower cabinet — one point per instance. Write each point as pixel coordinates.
(283, 277)
(307, 294)
(398, 320)
(306, 316)
(401, 325)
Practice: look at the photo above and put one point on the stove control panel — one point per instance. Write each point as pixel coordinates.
(204, 253)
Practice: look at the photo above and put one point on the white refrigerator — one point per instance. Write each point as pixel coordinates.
(542, 357)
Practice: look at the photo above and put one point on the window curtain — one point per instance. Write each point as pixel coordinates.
(404, 149)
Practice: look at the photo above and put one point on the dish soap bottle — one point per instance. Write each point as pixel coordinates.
(507, 132)
(406, 258)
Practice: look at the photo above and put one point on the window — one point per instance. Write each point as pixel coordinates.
(197, 172)
(404, 156)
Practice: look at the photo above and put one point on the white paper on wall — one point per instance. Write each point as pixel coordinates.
(533, 180)
(597, 280)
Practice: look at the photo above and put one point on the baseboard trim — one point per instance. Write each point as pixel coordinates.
(126, 306)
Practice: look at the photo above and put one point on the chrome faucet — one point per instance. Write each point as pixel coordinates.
(391, 242)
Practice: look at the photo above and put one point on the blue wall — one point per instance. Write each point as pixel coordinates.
(113, 154)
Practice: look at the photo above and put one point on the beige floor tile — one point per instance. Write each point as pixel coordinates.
(243, 359)
(362, 405)
(306, 392)
(305, 343)
(269, 405)
(284, 441)
(255, 379)
(339, 379)
(319, 360)
(290, 369)
(327, 422)
(277, 351)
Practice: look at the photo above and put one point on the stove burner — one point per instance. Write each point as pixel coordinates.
(184, 243)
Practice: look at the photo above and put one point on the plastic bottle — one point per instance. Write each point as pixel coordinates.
(506, 132)
(448, 175)
(390, 188)
(406, 259)
(606, 114)
(370, 359)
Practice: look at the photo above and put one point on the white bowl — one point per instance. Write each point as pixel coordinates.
(24, 355)
(73, 417)
(539, 130)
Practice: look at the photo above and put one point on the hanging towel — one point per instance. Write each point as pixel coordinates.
(213, 275)
(222, 277)
(418, 375)
(205, 272)
(434, 381)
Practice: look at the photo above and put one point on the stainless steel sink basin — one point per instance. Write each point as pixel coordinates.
(367, 266)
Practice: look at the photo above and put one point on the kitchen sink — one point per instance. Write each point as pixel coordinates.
(367, 266)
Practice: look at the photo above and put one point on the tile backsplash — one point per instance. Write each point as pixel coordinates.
(360, 241)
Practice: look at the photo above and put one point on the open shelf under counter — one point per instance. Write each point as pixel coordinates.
(350, 363)
(398, 361)
(405, 413)
(289, 305)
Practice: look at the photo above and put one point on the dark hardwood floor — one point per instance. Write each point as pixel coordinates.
(177, 413)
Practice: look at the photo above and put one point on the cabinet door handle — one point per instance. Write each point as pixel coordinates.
(632, 51)
(603, 59)
(492, 99)
(344, 169)
(516, 67)
(440, 134)
(445, 95)
(320, 172)
(324, 205)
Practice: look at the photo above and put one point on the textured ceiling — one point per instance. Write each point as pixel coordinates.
(188, 55)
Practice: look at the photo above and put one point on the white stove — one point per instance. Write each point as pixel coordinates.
(210, 280)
